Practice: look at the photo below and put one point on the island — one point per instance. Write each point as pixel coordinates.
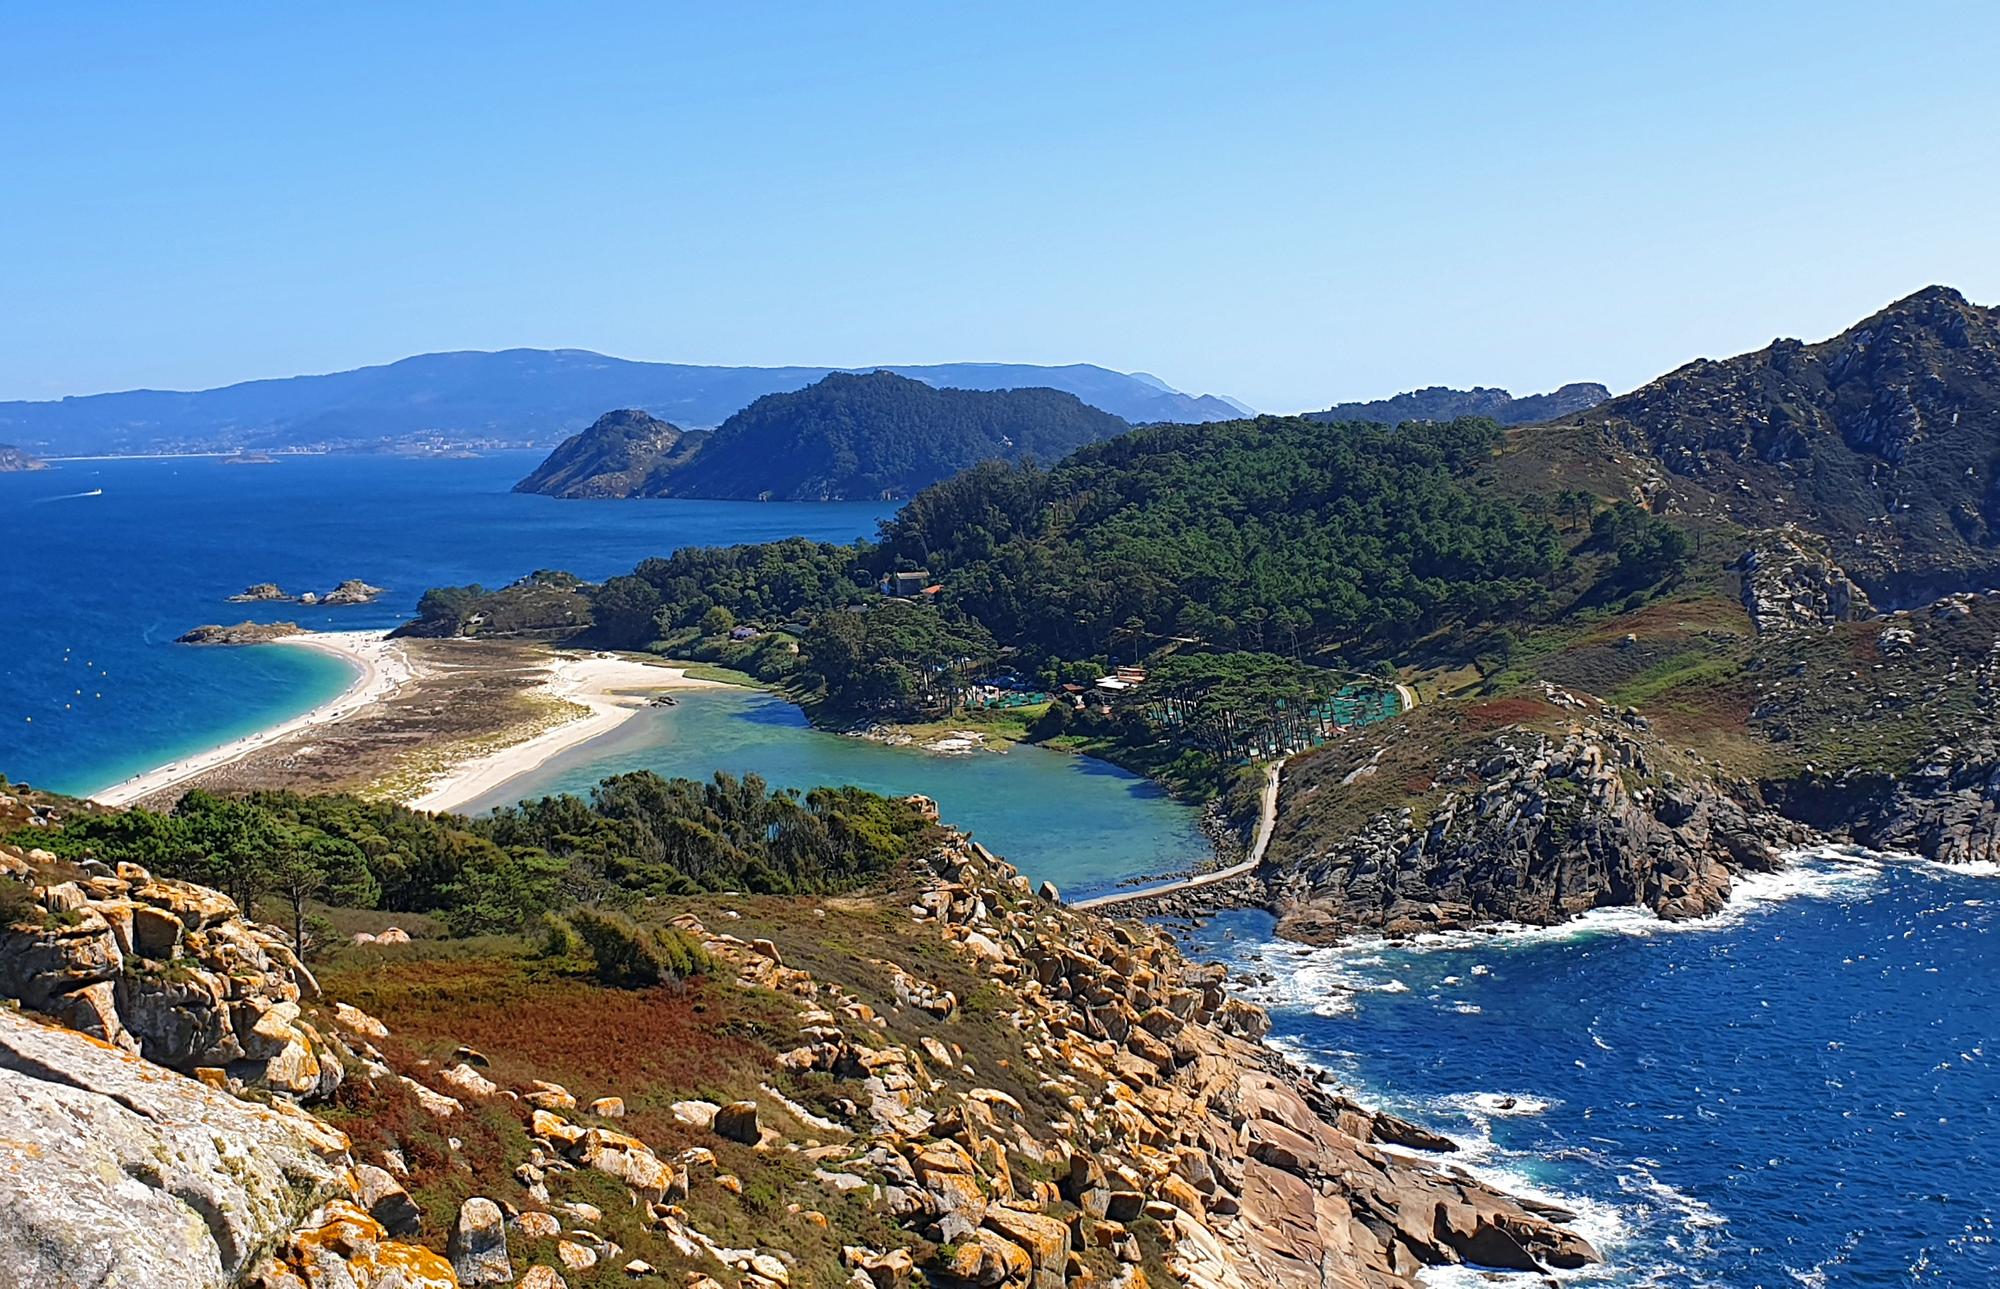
(845, 438)
(351, 591)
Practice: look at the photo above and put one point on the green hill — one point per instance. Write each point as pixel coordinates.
(846, 437)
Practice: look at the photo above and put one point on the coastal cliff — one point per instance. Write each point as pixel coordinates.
(956, 1080)
(13, 459)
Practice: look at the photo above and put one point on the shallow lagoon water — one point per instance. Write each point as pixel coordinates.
(1078, 822)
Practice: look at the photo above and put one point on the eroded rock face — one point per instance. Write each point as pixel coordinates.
(1530, 827)
(169, 970)
(117, 1172)
(1790, 582)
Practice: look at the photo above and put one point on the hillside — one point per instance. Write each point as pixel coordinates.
(939, 1078)
(14, 459)
(617, 456)
(843, 438)
(1883, 441)
(514, 396)
(1439, 403)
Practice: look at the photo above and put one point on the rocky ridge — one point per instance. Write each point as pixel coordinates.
(1528, 823)
(239, 634)
(1163, 1136)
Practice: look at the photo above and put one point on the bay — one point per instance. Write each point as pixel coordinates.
(94, 588)
(1804, 1090)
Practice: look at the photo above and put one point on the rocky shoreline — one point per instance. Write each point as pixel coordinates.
(242, 633)
(1163, 1134)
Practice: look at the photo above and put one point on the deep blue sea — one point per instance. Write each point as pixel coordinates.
(1804, 1091)
(94, 588)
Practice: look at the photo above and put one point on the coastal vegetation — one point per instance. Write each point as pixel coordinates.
(637, 837)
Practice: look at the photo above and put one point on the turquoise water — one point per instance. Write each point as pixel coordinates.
(93, 589)
(1080, 823)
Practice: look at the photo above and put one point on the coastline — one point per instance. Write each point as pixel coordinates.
(612, 688)
(380, 669)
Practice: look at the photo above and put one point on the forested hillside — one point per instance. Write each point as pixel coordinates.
(844, 438)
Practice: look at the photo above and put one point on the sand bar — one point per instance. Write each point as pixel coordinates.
(380, 668)
(611, 686)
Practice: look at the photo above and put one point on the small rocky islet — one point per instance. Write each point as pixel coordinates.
(351, 591)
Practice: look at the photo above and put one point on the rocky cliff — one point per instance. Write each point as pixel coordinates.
(618, 456)
(13, 458)
(1519, 811)
(1021, 1096)
(1882, 441)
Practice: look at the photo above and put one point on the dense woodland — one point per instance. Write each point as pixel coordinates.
(1261, 565)
(637, 836)
(844, 437)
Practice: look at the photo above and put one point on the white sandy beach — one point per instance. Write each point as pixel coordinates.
(381, 667)
(612, 686)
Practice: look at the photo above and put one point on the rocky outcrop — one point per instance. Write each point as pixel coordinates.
(13, 459)
(351, 591)
(240, 634)
(163, 969)
(1145, 1126)
(259, 593)
(1525, 825)
(117, 1172)
(615, 457)
(1790, 582)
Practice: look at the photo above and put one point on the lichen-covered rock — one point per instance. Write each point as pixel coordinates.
(119, 1172)
(170, 970)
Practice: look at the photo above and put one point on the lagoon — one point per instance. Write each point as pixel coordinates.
(1080, 823)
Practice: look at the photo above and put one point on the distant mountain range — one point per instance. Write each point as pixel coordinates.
(1439, 403)
(846, 437)
(520, 396)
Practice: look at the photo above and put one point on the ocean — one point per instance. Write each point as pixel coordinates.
(96, 587)
(1802, 1091)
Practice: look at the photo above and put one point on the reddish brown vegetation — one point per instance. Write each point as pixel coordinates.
(1506, 711)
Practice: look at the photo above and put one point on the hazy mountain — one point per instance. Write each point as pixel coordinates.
(845, 437)
(1439, 403)
(518, 395)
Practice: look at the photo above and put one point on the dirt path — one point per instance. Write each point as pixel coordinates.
(1267, 819)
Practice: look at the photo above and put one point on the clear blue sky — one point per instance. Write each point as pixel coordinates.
(1288, 203)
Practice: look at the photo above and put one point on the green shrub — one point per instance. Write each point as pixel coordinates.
(632, 956)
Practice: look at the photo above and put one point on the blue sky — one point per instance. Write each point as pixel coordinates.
(1288, 203)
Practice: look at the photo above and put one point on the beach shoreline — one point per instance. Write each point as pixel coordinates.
(611, 687)
(585, 695)
(380, 666)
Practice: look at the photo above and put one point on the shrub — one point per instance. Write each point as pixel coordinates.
(17, 903)
(632, 956)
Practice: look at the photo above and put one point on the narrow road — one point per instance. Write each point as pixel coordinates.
(1267, 819)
